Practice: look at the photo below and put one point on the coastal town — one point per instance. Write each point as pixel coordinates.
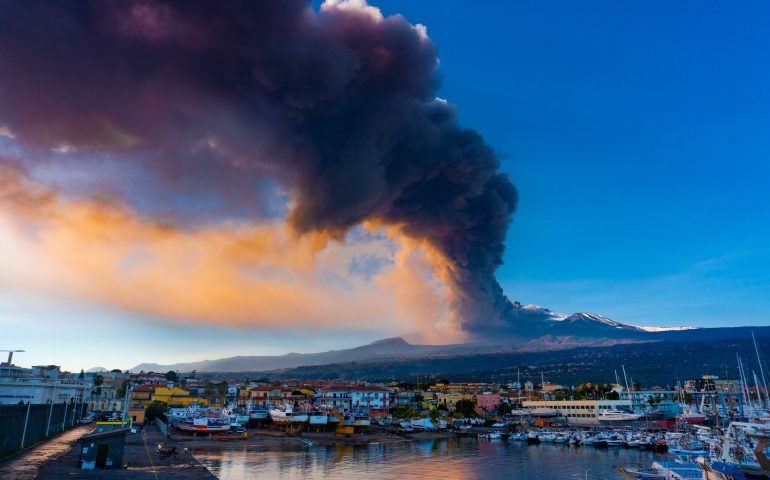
(707, 424)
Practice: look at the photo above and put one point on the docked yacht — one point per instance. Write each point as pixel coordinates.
(543, 412)
(609, 416)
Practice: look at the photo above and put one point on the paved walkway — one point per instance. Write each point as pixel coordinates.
(60, 458)
(25, 465)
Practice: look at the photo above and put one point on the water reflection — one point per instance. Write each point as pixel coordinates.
(434, 459)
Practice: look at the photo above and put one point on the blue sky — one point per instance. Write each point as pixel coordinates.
(637, 135)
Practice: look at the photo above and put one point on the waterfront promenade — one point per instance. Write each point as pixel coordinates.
(58, 458)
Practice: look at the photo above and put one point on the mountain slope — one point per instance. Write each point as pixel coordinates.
(538, 330)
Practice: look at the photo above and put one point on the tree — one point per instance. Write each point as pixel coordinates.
(171, 376)
(116, 370)
(96, 389)
(222, 391)
(504, 408)
(121, 392)
(434, 414)
(466, 407)
(155, 409)
(82, 374)
(208, 390)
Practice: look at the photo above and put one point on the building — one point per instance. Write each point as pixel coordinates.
(176, 396)
(141, 396)
(40, 384)
(579, 412)
(487, 403)
(267, 395)
(450, 399)
(103, 449)
(355, 398)
(529, 386)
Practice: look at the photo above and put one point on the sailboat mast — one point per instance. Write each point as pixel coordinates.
(744, 383)
(761, 370)
(756, 385)
(625, 378)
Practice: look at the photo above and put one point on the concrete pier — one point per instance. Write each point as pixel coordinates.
(59, 458)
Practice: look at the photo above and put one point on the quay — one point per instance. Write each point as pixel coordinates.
(59, 458)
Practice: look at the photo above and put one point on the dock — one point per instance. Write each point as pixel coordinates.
(59, 458)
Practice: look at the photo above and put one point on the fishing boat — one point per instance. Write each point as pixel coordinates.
(204, 425)
(318, 418)
(357, 420)
(288, 415)
(257, 412)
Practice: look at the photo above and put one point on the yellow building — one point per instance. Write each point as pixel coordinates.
(449, 399)
(176, 396)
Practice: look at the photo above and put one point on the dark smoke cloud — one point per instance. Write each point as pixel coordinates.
(337, 105)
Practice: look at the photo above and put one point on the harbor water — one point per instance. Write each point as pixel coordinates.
(445, 459)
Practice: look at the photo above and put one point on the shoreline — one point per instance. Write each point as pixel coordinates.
(268, 440)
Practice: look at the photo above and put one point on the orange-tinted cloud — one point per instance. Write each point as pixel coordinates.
(238, 274)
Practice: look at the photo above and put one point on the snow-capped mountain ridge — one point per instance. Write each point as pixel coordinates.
(587, 318)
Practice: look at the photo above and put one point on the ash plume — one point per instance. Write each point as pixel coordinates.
(337, 106)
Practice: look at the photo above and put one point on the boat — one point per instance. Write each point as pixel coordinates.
(690, 417)
(288, 415)
(639, 473)
(204, 425)
(543, 412)
(357, 420)
(662, 470)
(318, 418)
(533, 438)
(612, 416)
(258, 412)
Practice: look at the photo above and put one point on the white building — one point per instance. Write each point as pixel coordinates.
(40, 385)
(354, 398)
(579, 412)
